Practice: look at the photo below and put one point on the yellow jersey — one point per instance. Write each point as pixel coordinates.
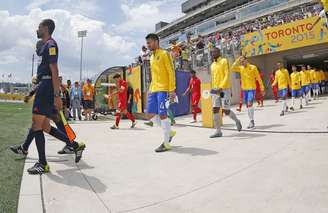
(162, 72)
(249, 74)
(314, 79)
(295, 81)
(220, 74)
(282, 79)
(305, 78)
(322, 75)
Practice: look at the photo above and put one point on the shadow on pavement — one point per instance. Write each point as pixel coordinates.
(193, 151)
(244, 136)
(263, 127)
(74, 177)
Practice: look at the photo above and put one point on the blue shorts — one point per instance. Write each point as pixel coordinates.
(283, 93)
(316, 86)
(305, 89)
(157, 103)
(44, 99)
(248, 96)
(296, 93)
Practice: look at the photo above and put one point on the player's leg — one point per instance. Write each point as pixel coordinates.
(165, 123)
(152, 111)
(130, 117)
(226, 106)
(249, 99)
(294, 95)
(216, 118)
(117, 120)
(41, 166)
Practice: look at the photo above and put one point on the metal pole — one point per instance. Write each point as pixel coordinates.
(81, 58)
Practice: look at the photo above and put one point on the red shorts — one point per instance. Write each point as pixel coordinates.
(122, 104)
(195, 98)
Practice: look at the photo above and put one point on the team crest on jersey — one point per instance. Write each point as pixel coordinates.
(52, 51)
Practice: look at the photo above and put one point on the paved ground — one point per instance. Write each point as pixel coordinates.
(248, 172)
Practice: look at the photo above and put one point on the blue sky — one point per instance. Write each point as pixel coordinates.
(116, 30)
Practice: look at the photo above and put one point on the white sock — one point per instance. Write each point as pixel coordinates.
(284, 105)
(301, 100)
(156, 120)
(166, 126)
(251, 113)
(293, 102)
(217, 124)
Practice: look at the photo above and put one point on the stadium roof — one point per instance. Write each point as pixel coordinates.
(205, 12)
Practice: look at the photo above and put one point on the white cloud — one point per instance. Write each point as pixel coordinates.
(143, 15)
(36, 4)
(102, 48)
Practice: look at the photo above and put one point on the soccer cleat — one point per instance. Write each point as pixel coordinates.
(301, 107)
(163, 148)
(217, 134)
(38, 169)
(239, 126)
(282, 113)
(66, 150)
(78, 152)
(292, 108)
(133, 125)
(286, 109)
(173, 123)
(238, 109)
(251, 125)
(193, 122)
(18, 149)
(172, 134)
(149, 123)
(114, 127)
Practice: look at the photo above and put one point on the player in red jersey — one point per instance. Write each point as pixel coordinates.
(122, 92)
(194, 88)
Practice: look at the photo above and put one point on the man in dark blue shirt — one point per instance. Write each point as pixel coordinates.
(47, 100)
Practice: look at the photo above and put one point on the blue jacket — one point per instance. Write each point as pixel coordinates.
(79, 93)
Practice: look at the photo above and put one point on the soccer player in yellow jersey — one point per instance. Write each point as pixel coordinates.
(295, 86)
(309, 74)
(162, 89)
(283, 82)
(221, 91)
(305, 80)
(316, 83)
(322, 81)
(249, 75)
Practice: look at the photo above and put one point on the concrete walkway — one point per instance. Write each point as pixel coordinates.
(247, 172)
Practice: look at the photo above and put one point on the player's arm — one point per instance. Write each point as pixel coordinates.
(236, 65)
(188, 89)
(171, 72)
(56, 84)
(288, 79)
(226, 74)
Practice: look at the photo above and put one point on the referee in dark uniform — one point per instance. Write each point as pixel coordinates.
(47, 99)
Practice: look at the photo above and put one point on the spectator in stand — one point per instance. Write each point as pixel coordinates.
(200, 43)
(76, 98)
(185, 58)
(88, 94)
(144, 53)
(175, 50)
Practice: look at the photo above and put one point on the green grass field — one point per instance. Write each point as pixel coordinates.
(14, 121)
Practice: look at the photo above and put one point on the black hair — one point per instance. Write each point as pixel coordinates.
(192, 71)
(152, 36)
(117, 76)
(50, 24)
